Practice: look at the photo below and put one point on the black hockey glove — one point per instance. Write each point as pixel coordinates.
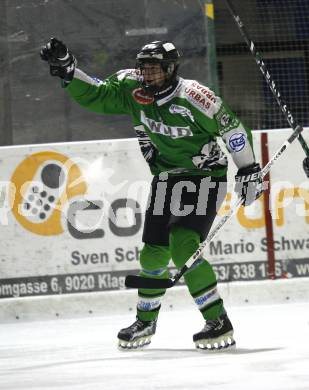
(62, 63)
(249, 183)
(306, 166)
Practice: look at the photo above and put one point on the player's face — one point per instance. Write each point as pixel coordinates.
(153, 74)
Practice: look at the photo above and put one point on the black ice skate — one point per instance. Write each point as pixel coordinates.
(216, 335)
(137, 336)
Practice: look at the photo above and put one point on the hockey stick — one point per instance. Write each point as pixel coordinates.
(136, 281)
(270, 82)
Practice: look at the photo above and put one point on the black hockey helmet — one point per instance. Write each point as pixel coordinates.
(163, 53)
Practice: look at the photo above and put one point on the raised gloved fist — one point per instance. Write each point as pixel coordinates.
(249, 183)
(62, 63)
(306, 166)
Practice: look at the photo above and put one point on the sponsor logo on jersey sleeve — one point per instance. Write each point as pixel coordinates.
(237, 142)
(226, 121)
(200, 96)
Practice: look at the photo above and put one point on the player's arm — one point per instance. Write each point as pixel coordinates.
(238, 140)
(104, 97)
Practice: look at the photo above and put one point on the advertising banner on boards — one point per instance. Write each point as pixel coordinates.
(71, 218)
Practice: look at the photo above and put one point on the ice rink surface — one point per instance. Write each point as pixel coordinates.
(81, 353)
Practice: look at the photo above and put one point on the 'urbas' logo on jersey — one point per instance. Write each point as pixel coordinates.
(141, 97)
(200, 95)
(161, 128)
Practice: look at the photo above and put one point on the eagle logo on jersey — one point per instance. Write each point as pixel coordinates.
(210, 157)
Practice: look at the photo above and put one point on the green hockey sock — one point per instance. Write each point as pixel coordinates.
(154, 260)
(201, 279)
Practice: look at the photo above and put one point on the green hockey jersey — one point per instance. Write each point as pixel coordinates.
(178, 133)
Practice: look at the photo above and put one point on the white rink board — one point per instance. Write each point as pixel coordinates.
(51, 257)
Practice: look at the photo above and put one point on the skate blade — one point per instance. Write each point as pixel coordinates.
(220, 344)
(135, 345)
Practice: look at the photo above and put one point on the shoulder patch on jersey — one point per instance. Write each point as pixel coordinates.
(237, 142)
(200, 96)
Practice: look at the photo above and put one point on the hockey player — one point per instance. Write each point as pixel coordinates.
(176, 122)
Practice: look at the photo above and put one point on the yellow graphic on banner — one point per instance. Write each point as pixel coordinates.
(243, 219)
(290, 193)
(43, 183)
(252, 223)
(281, 200)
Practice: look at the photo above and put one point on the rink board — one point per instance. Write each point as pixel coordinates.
(82, 232)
